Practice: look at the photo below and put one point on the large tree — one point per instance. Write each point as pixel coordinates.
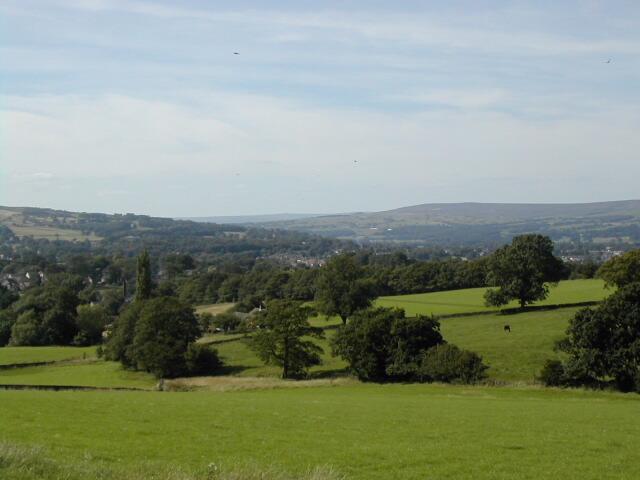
(382, 344)
(143, 277)
(603, 343)
(342, 288)
(522, 271)
(280, 340)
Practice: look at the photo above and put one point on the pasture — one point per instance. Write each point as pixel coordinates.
(19, 355)
(78, 373)
(471, 300)
(360, 431)
(214, 308)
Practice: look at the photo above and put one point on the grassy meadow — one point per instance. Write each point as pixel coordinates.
(18, 355)
(78, 373)
(472, 300)
(248, 424)
(361, 431)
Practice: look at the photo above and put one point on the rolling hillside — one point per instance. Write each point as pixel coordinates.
(483, 224)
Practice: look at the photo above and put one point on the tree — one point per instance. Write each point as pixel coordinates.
(143, 277)
(522, 270)
(163, 332)
(53, 308)
(7, 297)
(7, 319)
(382, 344)
(280, 341)
(604, 342)
(622, 270)
(342, 288)
(91, 321)
(448, 363)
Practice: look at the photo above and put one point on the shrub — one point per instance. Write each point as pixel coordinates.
(201, 360)
(448, 363)
(553, 374)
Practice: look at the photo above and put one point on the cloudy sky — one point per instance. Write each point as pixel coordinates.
(142, 106)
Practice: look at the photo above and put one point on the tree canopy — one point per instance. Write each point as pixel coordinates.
(342, 288)
(622, 270)
(280, 340)
(522, 270)
(604, 342)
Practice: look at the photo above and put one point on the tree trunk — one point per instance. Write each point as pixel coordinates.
(344, 319)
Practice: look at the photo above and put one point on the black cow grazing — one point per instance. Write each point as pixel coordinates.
(507, 328)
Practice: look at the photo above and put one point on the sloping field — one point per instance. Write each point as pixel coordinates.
(517, 356)
(82, 374)
(472, 300)
(18, 355)
(363, 431)
(214, 308)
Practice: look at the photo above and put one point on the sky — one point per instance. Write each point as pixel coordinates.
(197, 108)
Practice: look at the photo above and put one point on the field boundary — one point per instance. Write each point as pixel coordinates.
(57, 388)
(513, 311)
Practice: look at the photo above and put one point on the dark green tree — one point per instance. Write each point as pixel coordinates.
(522, 271)
(382, 344)
(342, 288)
(91, 322)
(7, 319)
(163, 332)
(281, 340)
(604, 342)
(143, 277)
(622, 270)
(7, 297)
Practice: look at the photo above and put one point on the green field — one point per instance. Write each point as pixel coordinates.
(81, 373)
(471, 300)
(52, 233)
(214, 308)
(363, 431)
(16, 355)
(517, 356)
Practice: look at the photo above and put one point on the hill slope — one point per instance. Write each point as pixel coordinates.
(483, 223)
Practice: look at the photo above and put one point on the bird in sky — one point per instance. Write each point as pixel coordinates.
(236, 53)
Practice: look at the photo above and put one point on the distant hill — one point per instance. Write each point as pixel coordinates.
(611, 223)
(248, 219)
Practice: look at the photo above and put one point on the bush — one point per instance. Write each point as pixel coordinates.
(201, 360)
(553, 374)
(448, 363)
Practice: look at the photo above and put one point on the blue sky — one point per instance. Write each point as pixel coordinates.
(142, 106)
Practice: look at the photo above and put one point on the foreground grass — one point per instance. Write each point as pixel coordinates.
(17, 355)
(472, 300)
(87, 374)
(362, 431)
(34, 463)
